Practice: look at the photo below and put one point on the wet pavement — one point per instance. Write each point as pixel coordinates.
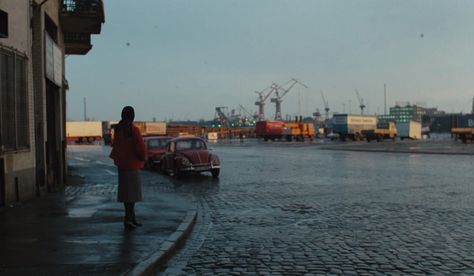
(80, 231)
(277, 209)
(445, 146)
(298, 209)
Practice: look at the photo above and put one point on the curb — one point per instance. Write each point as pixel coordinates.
(167, 248)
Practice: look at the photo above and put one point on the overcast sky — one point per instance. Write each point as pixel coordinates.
(179, 59)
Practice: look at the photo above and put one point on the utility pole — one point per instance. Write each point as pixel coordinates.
(85, 109)
(472, 111)
(384, 99)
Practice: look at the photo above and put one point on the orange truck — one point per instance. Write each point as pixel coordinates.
(298, 131)
(463, 134)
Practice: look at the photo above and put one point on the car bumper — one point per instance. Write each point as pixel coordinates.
(199, 168)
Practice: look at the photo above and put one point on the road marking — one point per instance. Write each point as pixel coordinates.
(110, 172)
(82, 159)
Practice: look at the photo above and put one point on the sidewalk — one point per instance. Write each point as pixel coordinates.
(76, 232)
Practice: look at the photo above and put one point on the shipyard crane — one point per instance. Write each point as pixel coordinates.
(222, 118)
(326, 105)
(242, 108)
(361, 102)
(262, 97)
(280, 92)
(317, 115)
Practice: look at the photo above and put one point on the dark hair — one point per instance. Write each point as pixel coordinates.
(125, 125)
(128, 113)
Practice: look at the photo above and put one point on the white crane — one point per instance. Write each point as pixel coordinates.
(262, 97)
(280, 92)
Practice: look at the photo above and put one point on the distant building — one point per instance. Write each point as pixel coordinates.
(406, 113)
(35, 36)
(444, 123)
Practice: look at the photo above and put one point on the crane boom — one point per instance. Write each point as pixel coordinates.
(285, 91)
(326, 105)
(245, 110)
(361, 102)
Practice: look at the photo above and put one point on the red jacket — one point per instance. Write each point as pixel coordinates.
(128, 153)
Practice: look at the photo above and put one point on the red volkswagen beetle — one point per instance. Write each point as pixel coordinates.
(156, 147)
(189, 154)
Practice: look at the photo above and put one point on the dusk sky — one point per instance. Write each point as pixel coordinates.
(179, 59)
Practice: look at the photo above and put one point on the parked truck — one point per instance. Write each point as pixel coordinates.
(83, 131)
(409, 130)
(298, 131)
(269, 130)
(384, 130)
(464, 129)
(151, 128)
(463, 134)
(348, 126)
(277, 130)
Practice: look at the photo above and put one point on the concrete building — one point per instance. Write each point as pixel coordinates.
(406, 113)
(35, 35)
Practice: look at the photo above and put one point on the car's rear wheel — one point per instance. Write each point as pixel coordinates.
(215, 173)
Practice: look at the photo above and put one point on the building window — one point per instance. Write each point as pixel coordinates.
(14, 123)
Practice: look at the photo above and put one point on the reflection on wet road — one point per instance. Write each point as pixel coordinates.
(294, 208)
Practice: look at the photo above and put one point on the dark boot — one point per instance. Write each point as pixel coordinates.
(128, 224)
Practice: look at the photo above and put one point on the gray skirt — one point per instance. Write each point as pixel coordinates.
(130, 186)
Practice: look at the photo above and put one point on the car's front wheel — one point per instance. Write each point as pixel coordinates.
(163, 166)
(215, 173)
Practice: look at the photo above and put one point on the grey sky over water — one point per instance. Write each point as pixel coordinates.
(179, 59)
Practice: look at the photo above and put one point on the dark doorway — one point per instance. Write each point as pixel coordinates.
(2, 183)
(53, 143)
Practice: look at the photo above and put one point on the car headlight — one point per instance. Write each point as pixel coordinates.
(215, 160)
(185, 162)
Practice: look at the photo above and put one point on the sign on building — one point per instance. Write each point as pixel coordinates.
(54, 61)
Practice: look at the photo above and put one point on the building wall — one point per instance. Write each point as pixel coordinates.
(49, 103)
(19, 166)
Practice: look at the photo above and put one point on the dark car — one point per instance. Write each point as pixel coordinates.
(189, 154)
(156, 147)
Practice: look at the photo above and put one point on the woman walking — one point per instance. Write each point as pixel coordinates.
(129, 155)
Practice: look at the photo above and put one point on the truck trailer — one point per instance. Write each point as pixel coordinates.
(409, 130)
(277, 130)
(83, 131)
(151, 128)
(463, 134)
(348, 126)
(384, 130)
(269, 130)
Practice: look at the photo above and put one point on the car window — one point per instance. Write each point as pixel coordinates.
(157, 143)
(190, 144)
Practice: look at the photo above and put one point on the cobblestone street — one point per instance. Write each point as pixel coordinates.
(296, 209)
